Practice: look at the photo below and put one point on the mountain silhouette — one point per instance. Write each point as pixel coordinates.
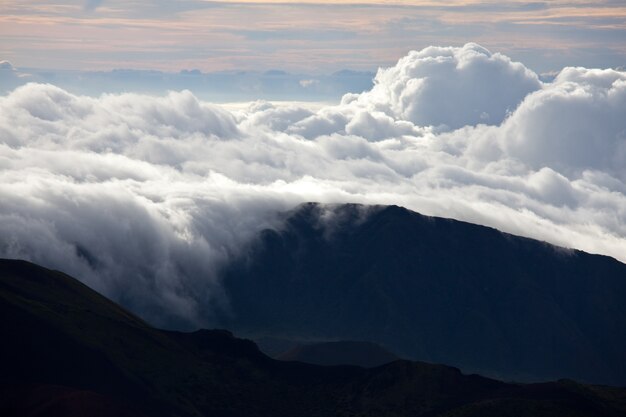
(68, 351)
(433, 289)
(344, 352)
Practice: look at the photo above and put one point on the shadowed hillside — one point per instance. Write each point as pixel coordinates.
(434, 289)
(68, 351)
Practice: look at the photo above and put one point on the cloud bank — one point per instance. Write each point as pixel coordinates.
(145, 197)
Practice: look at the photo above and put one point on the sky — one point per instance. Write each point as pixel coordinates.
(310, 36)
(144, 192)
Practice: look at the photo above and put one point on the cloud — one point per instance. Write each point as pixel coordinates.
(91, 5)
(145, 198)
(451, 87)
(6, 66)
(210, 36)
(309, 83)
(574, 124)
(11, 77)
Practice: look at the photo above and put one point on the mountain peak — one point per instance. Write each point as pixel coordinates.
(436, 290)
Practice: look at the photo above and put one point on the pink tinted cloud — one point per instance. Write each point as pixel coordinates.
(277, 34)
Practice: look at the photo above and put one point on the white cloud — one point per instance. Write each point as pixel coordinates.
(309, 83)
(144, 197)
(453, 87)
(573, 124)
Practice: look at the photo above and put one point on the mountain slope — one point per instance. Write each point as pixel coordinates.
(59, 332)
(434, 289)
(68, 351)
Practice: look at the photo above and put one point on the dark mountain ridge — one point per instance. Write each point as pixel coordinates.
(344, 352)
(433, 289)
(67, 351)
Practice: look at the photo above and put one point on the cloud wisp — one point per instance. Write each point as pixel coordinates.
(145, 197)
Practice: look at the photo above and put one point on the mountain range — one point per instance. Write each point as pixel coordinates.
(68, 351)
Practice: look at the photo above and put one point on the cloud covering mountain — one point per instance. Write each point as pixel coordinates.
(146, 196)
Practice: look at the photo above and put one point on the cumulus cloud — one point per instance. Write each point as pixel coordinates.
(575, 123)
(451, 87)
(146, 197)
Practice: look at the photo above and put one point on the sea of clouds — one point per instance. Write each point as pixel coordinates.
(143, 198)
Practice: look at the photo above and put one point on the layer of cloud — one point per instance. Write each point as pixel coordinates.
(145, 197)
(312, 36)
